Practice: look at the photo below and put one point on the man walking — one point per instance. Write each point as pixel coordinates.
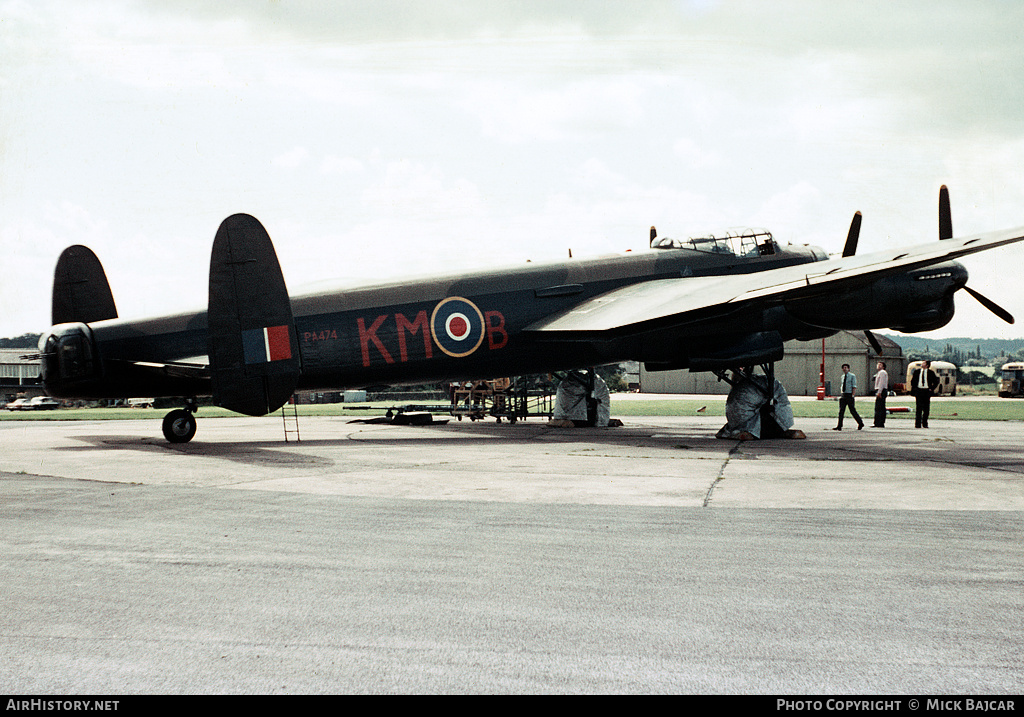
(849, 384)
(881, 392)
(923, 381)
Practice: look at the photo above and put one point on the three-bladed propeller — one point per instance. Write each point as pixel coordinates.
(945, 232)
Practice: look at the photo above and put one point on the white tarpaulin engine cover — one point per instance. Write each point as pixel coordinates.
(571, 401)
(743, 408)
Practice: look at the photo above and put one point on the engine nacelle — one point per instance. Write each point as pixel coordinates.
(931, 317)
(918, 300)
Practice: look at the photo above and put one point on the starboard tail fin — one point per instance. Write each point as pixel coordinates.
(81, 292)
(254, 354)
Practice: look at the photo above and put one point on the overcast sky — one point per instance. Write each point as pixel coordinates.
(383, 138)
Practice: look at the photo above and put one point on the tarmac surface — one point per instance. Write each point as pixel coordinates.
(496, 558)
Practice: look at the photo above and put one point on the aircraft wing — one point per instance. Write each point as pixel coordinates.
(663, 302)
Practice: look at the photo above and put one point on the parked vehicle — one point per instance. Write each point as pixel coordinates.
(42, 403)
(39, 403)
(1012, 384)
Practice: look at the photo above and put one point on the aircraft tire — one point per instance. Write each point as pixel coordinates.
(179, 426)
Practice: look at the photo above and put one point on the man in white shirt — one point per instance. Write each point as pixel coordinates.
(881, 391)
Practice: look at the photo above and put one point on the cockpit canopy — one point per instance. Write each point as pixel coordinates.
(738, 242)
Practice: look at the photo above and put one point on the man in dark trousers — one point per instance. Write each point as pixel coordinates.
(923, 382)
(881, 392)
(849, 384)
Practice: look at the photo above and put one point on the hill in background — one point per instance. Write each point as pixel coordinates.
(959, 350)
(25, 341)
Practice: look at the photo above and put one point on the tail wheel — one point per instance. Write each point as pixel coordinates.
(179, 426)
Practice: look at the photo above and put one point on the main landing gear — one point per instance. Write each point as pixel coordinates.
(757, 406)
(180, 424)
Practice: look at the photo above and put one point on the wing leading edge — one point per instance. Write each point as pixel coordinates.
(661, 302)
(194, 367)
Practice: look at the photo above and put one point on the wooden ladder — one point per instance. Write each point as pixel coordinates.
(290, 419)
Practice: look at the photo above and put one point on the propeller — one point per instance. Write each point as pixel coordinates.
(849, 249)
(946, 232)
(990, 305)
(945, 215)
(874, 342)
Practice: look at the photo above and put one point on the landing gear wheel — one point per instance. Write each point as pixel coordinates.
(179, 426)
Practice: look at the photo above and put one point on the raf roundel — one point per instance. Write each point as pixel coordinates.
(457, 326)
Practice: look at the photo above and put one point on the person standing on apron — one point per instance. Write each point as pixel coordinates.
(881, 392)
(849, 384)
(923, 381)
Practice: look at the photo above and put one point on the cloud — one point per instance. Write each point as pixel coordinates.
(411, 189)
(405, 20)
(694, 155)
(333, 164)
(291, 159)
(518, 112)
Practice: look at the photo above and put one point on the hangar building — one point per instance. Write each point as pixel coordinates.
(18, 376)
(798, 371)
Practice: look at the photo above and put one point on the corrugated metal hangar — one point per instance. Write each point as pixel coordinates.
(799, 370)
(18, 376)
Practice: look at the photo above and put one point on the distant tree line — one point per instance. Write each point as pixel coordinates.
(968, 361)
(25, 341)
(961, 350)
